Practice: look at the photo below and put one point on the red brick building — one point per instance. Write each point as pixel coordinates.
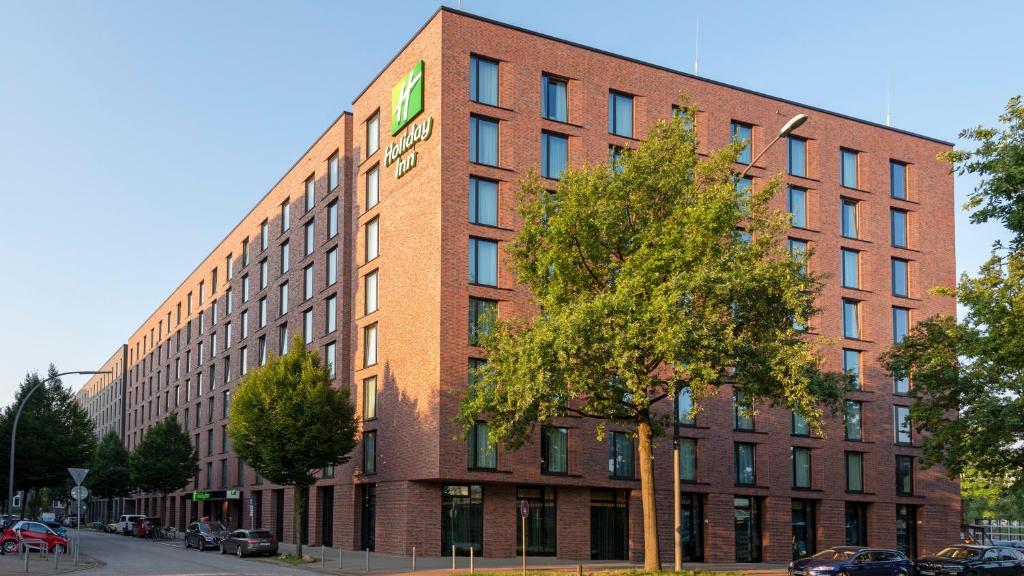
(363, 247)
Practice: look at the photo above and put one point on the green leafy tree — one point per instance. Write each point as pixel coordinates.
(288, 423)
(972, 368)
(165, 460)
(650, 278)
(110, 474)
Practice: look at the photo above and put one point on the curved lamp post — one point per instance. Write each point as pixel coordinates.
(787, 129)
(14, 432)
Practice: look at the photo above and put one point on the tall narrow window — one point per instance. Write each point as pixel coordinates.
(801, 427)
(370, 293)
(684, 408)
(370, 452)
(245, 252)
(482, 454)
(553, 102)
(851, 319)
(331, 359)
(483, 141)
(620, 455)
(372, 248)
(796, 156)
(851, 366)
(283, 299)
(483, 202)
(264, 275)
(899, 277)
(483, 80)
(373, 133)
(263, 312)
(742, 133)
(333, 176)
(370, 398)
(370, 345)
(901, 425)
(898, 180)
(554, 151)
(801, 467)
(307, 283)
(286, 216)
(483, 262)
(372, 187)
(742, 416)
(332, 266)
(554, 450)
(264, 235)
(900, 324)
(332, 314)
(898, 227)
(850, 268)
(854, 472)
(620, 114)
(746, 471)
(848, 217)
(848, 168)
(332, 219)
(852, 420)
(901, 385)
(307, 326)
(797, 206)
(688, 459)
(481, 317)
(285, 261)
(798, 248)
(905, 475)
(310, 193)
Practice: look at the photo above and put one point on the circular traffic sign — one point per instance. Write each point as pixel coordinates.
(79, 492)
(524, 508)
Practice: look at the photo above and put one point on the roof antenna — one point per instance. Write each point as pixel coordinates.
(696, 50)
(888, 107)
(459, 4)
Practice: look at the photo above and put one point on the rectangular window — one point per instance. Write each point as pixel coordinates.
(372, 187)
(245, 290)
(370, 293)
(307, 282)
(554, 101)
(483, 141)
(310, 238)
(898, 227)
(482, 454)
(898, 180)
(369, 345)
(370, 398)
(746, 471)
(620, 114)
(905, 475)
(688, 459)
(798, 248)
(801, 427)
(227, 335)
(742, 133)
(483, 262)
(801, 467)
(848, 217)
(899, 277)
(245, 252)
(264, 235)
(854, 472)
(283, 299)
(261, 350)
(684, 408)
(848, 168)
(852, 421)
(282, 339)
(797, 206)
(483, 201)
(264, 273)
(332, 314)
(330, 359)
(244, 361)
(901, 385)
(332, 172)
(372, 248)
(483, 80)
(851, 319)
(332, 219)
(481, 317)
(310, 195)
(620, 455)
(796, 156)
(229, 265)
(742, 416)
(263, 312)
(307, 326)
(554, 450)
(851, 366)
(554, 155)
(373, 134)
(851, 268)
(900, 324)
(332, 266)
(286, 216)
(615, 159)
(370, 452)
(901, 424)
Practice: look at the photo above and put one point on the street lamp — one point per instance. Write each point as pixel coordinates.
(14, 432)
(787, 129)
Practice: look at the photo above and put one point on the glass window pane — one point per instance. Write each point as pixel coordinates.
(372, 187)
(851, 319)
(900, 324)
(688, 459)
(848, 168)
(483, 141)
(848, 209)
(553, 99)
(370, 293)
(373, 134)
(898, 180)
(854, 471)
(851, 268)
(483, 202)
(741, 133)
(801, 468)
(797, 206)
(370, 398)
(483, 262)
(901, 385)
(899, 277)
(483, 81)
(745, 472)
(372, 249)
(852, 419)
(685, 405)
(851, 365)
(797, 156)
(620, 114)
(901, 424)
(554, 155)
(801, 427)
(899, 228)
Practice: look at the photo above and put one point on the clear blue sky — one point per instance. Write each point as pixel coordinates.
(134, 135)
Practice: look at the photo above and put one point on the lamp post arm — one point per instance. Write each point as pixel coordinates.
(758, 157)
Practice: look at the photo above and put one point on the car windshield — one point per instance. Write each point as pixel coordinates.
(212, 527)
(259, 534)
(831, 554)
(957, 553)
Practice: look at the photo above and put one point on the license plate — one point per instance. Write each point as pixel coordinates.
(926, 572)
(798, 573)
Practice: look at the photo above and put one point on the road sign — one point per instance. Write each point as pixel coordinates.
(78, 474)
(524, 508)
(79, 492)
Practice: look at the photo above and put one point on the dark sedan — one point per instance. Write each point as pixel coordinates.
(853, 561)
(203, 535)
(972, 560)
(246, 542)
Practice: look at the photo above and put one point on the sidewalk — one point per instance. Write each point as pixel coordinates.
(355, 562)
(11, 564)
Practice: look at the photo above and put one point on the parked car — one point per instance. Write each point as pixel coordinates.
(147, 527)
(1016, 544)
(245, 542)
(97, 525)
(32, 530)
(853, 561)
(126, 523)
(56, 527)
(70, 522)
(203, 535)
(972, 560)
(110, 527)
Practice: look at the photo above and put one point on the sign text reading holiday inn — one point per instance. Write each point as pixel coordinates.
(406, 105)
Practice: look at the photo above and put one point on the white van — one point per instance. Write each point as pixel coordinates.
(126, 523)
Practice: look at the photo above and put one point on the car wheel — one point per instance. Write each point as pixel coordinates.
(59, 549)
(187, 543)
(10, 546)
(238, 551)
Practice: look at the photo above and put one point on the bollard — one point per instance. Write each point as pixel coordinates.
(453, 556)
(413, 558)
(470, 559)
(56, 559)
(25, 548)
(579, 570)
(341, 556)
(367, 559)
(321, 555)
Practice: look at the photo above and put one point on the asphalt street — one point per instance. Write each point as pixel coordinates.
(127, 556)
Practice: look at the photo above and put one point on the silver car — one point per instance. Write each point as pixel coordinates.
(245, 542)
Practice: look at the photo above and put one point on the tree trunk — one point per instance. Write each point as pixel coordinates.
(652, 552)
(300, 508)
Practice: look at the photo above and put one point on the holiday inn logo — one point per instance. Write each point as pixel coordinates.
(407, 98)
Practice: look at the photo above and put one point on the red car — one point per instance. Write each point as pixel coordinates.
(147, 527)
(29, 530)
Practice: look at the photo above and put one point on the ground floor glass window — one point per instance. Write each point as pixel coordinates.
(804, 528)
(462, 519)
(906, 530)
(856, 524)
(609, 525)
(541, 525)
(747, 511)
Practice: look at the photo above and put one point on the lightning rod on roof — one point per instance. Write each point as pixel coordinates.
(696, 50)
(888, 106)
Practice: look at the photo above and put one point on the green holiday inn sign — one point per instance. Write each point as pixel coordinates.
(406, 105)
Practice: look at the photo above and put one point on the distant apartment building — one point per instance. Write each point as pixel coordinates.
(102, 396)
(383, 245)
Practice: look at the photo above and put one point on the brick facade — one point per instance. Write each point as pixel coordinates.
(423, 348)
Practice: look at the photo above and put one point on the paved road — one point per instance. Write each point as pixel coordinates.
(127, 556)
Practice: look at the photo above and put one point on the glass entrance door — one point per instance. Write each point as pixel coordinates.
(692, 524)
(368, 517)
(541, 523)
(906, 530)
(804, 528)
(462, 519)
(326, 515)
(747, 515)
(609, 525)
